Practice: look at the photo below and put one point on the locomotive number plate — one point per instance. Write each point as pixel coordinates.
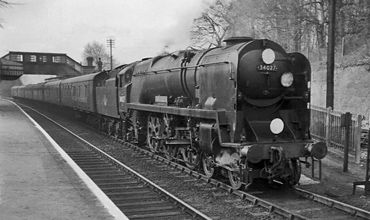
(265, 67)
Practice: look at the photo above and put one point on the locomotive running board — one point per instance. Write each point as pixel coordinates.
(219, 116)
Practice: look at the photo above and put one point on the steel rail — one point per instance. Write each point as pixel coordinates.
(333, 203)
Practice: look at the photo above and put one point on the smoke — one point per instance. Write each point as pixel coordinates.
(226, 158)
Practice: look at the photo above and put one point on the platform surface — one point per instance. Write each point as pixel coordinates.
(35, 181)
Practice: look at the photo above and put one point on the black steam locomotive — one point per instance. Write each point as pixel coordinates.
(242, 110)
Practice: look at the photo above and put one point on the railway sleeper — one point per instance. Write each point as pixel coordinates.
(108, 176)
(158, 203)
(148, 209)
(107, 188)
(89, 161)
(136, 192)
(107, 180)
(156, 215)
(88, 168)
(119, 183)
(97, 166)
(85, 157)
(137, 197)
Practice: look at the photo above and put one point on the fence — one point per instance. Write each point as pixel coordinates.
(326, 127)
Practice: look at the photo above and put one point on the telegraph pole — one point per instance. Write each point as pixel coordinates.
(110, 43)
(330, 57)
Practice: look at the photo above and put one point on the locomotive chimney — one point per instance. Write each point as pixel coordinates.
(236, 40)
(89, 61)
(100, 65)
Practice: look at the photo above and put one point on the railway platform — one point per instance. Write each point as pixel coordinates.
(36, 181)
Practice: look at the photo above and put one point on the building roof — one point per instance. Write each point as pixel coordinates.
(34, 53)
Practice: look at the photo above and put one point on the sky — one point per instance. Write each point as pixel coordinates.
(140, 28)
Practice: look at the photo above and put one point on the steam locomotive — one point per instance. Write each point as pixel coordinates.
(241, 110)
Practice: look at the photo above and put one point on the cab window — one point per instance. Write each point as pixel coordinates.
(121, 80)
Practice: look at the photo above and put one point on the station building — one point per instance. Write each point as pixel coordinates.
(22, 68)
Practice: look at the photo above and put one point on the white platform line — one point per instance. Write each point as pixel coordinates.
(107, 203)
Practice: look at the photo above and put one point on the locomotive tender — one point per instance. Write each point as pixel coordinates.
(242, 110)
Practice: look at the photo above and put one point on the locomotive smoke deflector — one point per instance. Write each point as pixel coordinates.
(237, 40)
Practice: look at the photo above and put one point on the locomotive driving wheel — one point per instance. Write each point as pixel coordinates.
(154, 125)
(209, 169)
(170, 151)
(235, 180)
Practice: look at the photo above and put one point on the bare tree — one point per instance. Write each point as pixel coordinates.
(279, 20)
(97, 50)
(355, 28)
(212, 26)
(299, 25)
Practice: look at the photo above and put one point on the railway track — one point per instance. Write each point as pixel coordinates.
(135, 195)
(291, 203)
